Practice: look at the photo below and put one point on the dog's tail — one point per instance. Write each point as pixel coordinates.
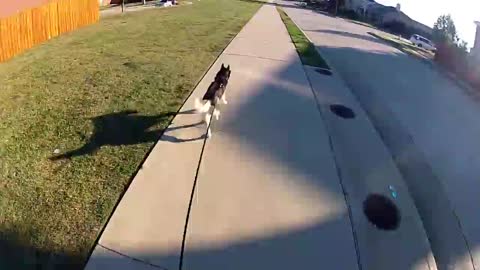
(202, 108)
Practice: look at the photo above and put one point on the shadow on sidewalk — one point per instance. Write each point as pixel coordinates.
(374, 80)
(169, 138)
(16, 254)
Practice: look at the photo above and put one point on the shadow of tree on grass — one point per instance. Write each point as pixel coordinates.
(17, 252)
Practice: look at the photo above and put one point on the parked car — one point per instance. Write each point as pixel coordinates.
(303, 4)
(422, 42)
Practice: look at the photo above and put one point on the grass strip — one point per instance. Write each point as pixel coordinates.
(306, 50)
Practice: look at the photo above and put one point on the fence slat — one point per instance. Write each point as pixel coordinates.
(36, 25)
(40, 24)
(2, 45)
(53, 19)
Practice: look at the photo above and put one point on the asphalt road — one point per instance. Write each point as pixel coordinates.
(429, 123)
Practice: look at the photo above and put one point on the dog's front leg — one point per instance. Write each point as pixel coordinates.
(224, 98)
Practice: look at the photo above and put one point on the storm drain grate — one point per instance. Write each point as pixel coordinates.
(381, 212)
(342, 111)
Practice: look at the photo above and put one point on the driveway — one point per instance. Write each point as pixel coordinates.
(430, 125)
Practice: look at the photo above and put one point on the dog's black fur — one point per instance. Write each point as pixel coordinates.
(217, 88)
(215, 92)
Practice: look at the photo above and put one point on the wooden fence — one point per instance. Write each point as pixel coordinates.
(33, 26)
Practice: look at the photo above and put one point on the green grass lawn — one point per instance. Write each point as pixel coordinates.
(306, 50)
(69, 96)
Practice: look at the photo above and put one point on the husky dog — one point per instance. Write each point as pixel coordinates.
(215, 92)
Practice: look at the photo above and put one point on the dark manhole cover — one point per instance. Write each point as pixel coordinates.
(324, 71)
(342, 111)
(381, 212)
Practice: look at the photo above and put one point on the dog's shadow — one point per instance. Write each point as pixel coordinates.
(126, 128)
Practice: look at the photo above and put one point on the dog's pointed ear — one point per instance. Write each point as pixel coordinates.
(228, 67)
(223, 66)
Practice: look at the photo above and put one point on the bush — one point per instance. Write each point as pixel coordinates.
(397, 28)
(451, 57)
(348, 13)
(456, 60)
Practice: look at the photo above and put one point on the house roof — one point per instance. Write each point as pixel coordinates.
(378, 10)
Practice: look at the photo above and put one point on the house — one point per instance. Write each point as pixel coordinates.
(376, 13)
(386, 15)
(400, 17)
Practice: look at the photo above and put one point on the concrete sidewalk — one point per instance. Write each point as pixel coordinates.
(272, 183)
(267, 195)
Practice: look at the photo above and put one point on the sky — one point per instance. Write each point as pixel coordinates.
(463, 12)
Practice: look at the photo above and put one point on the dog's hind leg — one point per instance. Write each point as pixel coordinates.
(224, 98)
(216, 113)
(207, 118)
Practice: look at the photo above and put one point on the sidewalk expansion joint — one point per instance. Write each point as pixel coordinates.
(132, 258)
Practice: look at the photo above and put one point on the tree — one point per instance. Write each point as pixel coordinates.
(462, 45)
(339, 4)
(444, 30)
